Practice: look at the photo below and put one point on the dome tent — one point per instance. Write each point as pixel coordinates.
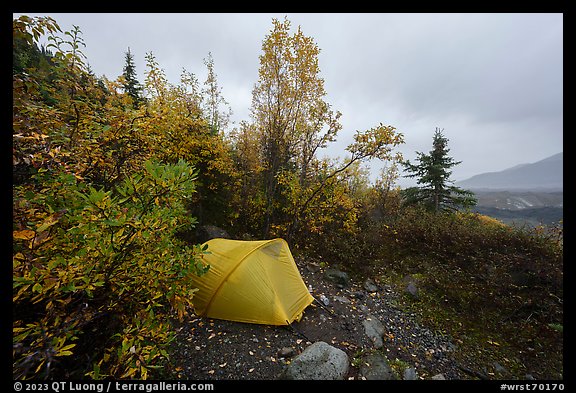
(251, 281)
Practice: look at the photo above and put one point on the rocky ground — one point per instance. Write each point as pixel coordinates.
(361, 318)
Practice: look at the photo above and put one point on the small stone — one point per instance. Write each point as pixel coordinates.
(411, 289)
(324, 300)
(338, 277)
(370, 285)
(410, 374)
(358, 295)
(439, 377)
(376, 367)
(286, 352)
(374, 330)
(499, 368)
(342, 299)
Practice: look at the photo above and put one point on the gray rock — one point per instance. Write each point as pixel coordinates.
(342, 299)
(439, 377)
(207, 232)
(500, 369)
(319, 361)
(358, 295)
(338, 277)
(410, 374)
(412, 289)
(286, 352)
(370, 285)
(374, 330)
(313, 267)
(324, 300)
(375, 367)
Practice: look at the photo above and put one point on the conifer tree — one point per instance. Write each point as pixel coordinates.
(131, 84)
(433, 173)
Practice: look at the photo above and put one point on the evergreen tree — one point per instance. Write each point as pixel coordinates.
(131, 85)
(433, 174)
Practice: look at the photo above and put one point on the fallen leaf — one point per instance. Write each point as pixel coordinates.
(25, 234)
(223, 364)
(250, 370)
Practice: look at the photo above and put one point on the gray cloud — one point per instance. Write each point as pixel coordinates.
(494, 82)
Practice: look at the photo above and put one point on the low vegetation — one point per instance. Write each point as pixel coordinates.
(496, 290)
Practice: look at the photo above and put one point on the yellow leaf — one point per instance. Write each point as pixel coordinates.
(129, 373)
(53, 219)
(25, 234)
(40, 366)
(69, 346)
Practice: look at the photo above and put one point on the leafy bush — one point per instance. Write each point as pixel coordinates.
(496, 289)
(96, 274)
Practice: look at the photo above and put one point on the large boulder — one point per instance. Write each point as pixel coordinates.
(320, 361)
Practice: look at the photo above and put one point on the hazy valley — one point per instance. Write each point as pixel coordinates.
(524, 194)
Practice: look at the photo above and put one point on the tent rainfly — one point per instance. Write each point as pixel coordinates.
(251, 281)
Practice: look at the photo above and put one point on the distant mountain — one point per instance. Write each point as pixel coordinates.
(546, 174)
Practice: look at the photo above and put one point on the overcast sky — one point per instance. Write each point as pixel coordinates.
(492, 81)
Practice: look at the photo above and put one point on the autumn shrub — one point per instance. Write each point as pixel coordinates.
(468, 237)
(98, 274)
(496, 289)
(474, 262)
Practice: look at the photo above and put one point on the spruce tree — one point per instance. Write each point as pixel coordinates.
(435, 191)
(131, 85)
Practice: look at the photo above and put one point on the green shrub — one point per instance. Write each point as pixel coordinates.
(97, 274)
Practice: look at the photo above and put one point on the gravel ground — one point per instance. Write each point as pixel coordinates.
(207, 349)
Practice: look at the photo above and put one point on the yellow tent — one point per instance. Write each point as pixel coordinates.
(251, 281)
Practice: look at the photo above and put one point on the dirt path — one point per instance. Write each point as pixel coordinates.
(216, 349)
